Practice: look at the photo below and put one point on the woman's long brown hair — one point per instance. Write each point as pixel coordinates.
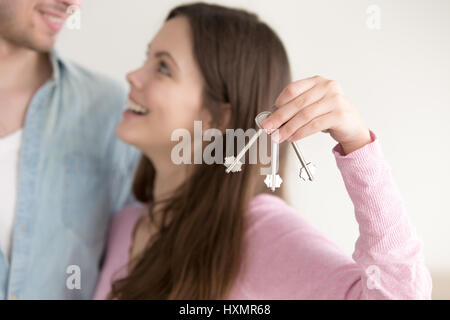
(198, 254)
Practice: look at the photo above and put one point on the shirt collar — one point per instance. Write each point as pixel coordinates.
(54, 60)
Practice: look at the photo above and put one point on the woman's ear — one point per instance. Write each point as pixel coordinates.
(225, 119)
(222, 123)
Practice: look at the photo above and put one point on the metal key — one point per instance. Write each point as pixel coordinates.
(234, 164)
(273, 180)
(308, 169)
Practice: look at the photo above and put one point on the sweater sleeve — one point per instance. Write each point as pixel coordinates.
(388, 252)
(288, 258)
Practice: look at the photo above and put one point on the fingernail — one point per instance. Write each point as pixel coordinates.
(275, 136)
(267, 125)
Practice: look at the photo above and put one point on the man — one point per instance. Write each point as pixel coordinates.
(62, 170)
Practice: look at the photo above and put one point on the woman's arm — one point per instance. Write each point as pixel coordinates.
(288, 258)
(388, 260)
(388, 251)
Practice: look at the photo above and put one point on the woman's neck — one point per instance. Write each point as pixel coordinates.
(168, 177)
(167, 180)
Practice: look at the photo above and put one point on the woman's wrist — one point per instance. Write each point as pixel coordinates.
(364, 139)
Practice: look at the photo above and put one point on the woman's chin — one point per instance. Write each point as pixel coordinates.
(126, 135)
(139, 140)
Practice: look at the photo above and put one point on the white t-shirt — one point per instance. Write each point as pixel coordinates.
(9, 173)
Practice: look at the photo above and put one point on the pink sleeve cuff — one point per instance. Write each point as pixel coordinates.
(338, 151)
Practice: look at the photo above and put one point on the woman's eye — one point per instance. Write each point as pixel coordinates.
(163, 68)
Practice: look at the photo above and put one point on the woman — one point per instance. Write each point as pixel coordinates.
(201, 233)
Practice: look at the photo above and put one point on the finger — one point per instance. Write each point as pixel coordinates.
(321, 123)
(296, 88)
(288, 111)
(303, 117)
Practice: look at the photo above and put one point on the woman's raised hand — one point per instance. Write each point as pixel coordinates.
(316, 104)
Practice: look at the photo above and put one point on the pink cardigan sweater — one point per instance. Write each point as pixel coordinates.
(285, 257)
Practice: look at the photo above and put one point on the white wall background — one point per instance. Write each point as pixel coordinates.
(398, 77)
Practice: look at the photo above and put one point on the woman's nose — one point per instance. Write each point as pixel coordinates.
(134, 80)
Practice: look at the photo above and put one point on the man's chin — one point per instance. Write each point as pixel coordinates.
(42, 44)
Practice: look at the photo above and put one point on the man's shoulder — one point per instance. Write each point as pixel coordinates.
(90, 83)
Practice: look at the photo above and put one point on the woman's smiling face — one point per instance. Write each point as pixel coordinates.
(169, 87)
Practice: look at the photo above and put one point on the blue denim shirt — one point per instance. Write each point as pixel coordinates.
(74, 174)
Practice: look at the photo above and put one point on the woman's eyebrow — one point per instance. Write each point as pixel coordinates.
(163, 53)
(160, 54)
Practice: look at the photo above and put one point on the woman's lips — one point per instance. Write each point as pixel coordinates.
(128, 114)
(134, 106)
